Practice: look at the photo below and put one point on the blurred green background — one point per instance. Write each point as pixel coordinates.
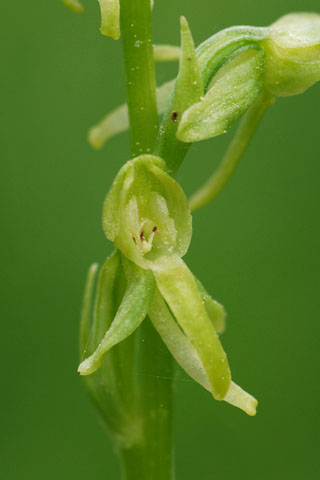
(255, 248)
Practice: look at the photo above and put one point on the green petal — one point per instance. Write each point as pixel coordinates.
(131, 313)
(73, 5)
(235, 87)
(86, 311)
(187, 357)
(111, 207)
(110, 18)
(117, 121)
(178, 287)
(166, 53)
(215, 310)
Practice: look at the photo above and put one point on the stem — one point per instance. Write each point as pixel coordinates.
(152, 458)
(136, 32)
(156, 404)
(236, 149)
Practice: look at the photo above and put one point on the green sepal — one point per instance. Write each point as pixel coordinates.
(215, 310)
(293, 54)
(131, 312)
(110, 18)
(176, 341)
(109, 292)
(234, 88)
(117, 120)
(179, 288)
(166, 53)
(187, 357)
(73, 5)
(145, 212)
(86, 311)
(116, 374)
(188, 90)
(102, 385)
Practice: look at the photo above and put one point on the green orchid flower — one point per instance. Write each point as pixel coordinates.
(146, 216)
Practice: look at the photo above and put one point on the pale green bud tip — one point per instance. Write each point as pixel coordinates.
(85, 367)
(110, 18)
(73, 5)
(241, 399)
(293, 54)
(297, 30)
(95, 138)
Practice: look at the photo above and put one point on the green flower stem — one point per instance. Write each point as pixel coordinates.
(152, 459)
(236, 149)
(136, 33)
(157, 371)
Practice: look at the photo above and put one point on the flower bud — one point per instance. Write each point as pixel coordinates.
(292, 54)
